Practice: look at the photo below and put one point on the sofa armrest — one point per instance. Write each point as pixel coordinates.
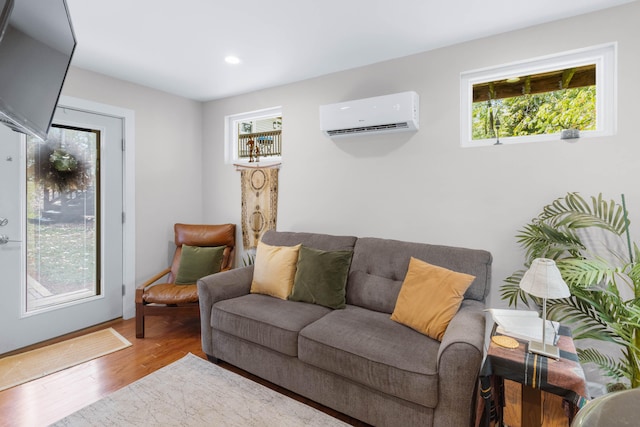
(217, 287)
(459, 360)
(467, 326)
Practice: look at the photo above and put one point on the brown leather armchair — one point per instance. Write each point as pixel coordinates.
(167, 298)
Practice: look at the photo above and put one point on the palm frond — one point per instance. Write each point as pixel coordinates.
(573, 211)
(583, 318)
(544, 241)
(584, 220)
(585, 273)
(511, 291)
(612, 367)
(633, 272)
(597, 314)
(634, 314)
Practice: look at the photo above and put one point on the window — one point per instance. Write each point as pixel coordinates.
(254, 136)
(62, 196)
(536, 100)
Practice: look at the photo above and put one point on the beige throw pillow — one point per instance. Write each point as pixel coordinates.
(274, 270)
(429, 298)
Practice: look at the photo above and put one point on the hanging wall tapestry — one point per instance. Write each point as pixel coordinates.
(259, 203)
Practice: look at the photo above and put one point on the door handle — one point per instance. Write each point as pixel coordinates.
(4, 239)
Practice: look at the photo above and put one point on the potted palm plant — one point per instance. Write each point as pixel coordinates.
(590, 243)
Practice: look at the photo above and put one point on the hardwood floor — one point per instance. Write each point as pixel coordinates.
(46, 400)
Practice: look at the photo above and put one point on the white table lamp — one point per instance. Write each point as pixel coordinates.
(543, 280)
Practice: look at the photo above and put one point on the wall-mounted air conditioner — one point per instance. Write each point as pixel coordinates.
(398, 112)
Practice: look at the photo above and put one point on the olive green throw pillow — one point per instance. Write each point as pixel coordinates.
(197, 262)
(321, 277)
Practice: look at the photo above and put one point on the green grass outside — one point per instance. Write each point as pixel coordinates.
(61, 257)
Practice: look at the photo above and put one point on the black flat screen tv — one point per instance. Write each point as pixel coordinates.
(36, 46)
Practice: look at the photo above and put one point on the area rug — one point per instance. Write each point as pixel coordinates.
(194, 392)
(27, 366)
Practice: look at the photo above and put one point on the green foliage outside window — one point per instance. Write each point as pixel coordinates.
(535, 114)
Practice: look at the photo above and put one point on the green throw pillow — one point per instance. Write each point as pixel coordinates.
(321, 277)
(197, 262)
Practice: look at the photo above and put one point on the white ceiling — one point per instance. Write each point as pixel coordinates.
(180, 46)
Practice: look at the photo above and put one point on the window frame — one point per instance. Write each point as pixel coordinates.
(603, 56)
(231, 134)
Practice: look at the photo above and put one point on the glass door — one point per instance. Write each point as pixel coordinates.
(63, 260)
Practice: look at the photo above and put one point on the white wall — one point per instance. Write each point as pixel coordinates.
(423, 187)
(168, 160)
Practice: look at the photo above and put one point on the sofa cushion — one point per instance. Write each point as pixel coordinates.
(373, 292)
(369, 348)
(321, 277)
(274, 270)
(429, 298)
(264, 320)
(389, 259)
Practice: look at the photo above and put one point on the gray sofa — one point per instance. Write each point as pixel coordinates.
(355, 360)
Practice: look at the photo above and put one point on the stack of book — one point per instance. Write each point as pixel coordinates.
(524, 324)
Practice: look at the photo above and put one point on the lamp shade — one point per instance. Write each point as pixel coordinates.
(543, 280)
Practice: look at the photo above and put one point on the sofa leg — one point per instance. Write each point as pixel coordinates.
(213, 359)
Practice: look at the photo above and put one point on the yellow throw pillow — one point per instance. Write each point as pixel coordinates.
(274, 270)
(429, 298)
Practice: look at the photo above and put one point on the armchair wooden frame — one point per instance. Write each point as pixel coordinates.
(156, 298)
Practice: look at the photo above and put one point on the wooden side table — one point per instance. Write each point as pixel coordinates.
(536, 373)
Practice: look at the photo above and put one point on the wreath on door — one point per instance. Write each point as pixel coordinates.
(60, 169)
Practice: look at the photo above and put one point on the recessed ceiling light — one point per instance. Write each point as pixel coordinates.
(232, 60)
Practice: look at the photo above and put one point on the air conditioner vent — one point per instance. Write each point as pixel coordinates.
(366, 129)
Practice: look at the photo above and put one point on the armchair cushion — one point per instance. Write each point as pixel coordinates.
(170, 293)
(429, 298)
(197, 262)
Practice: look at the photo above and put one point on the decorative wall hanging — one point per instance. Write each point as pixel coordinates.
(259, 202)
